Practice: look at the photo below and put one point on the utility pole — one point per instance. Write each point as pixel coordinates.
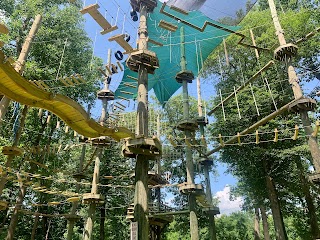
(206, 163)
(285, 53)
(187, 125)
(20, 63)
(4, 103)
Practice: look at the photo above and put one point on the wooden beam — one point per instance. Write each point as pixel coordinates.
(122, 42)
(168, 26)
(179, 10)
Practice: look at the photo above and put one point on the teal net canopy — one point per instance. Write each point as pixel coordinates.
(198, 46)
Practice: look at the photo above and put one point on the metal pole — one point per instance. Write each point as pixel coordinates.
(294, 82)
(142, 163)
(189, 161)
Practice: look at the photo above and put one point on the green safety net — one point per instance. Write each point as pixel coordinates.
(198, 46)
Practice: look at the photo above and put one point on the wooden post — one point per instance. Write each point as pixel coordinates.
(212, 226)
(87, 235)
(158, 136)
(20, 63)
(226, 52)
(254, 44)
(71, 222)
(256, 224)
(142, 163)
(294, 82)
(189, 161)
(14, 217)
(10, 158)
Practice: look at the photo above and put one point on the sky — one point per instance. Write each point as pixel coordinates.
(118, 12)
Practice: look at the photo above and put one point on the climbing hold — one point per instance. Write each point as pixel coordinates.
(134, 15)
(119, 55)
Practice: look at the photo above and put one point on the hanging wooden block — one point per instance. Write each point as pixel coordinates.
(239, 138)
(125, 92)
(59, 148)
(179, 10)
(67, 129)
(276, 135)
(123, 98)
(58, 125)
(316, 130)
(97, 16)
(73, 199)
(296, 132)
(168, 26)
(221, 140)
(120, 39)
(257, 137)
(120, 66)
(75, 134)
(155, 42)
(48, 119)
(130, 85)
(40, 113)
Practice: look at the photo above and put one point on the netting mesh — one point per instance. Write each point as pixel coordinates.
(198, 47)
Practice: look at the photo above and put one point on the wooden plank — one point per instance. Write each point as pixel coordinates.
(179, 10)
(155, 42)
(130, 85)
(120, 66)
(168, 26)
(121, 41)
(133, 78)
(97, 16)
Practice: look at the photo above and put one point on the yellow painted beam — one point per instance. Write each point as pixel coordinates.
(17, 88)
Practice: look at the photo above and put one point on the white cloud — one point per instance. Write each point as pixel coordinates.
(226, 206)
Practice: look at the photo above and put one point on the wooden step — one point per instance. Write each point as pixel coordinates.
(97, 16)
(168, 26)
(123, 43)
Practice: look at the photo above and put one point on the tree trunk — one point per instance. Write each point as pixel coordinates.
(314, 227)
(102, 221)
(14, 217)
(275, 206)
(35, 225)
(265, 223)
(256, 224)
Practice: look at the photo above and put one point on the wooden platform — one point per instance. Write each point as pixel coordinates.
(120, 39)
(211, 211)
(188, 124)
(97, 16)
(151, 4)
(285, 52)
(15, 151)
(150, 147)
(105, 94)
(89, 198)
(154, 178)
(305, 104)
(186, 189)
(101, 141)
(15, 87)
(185, 76)
(143, 57)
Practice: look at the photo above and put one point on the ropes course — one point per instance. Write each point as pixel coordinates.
(168, 51)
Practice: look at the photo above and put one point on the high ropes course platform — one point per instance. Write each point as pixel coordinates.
(17, 88)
